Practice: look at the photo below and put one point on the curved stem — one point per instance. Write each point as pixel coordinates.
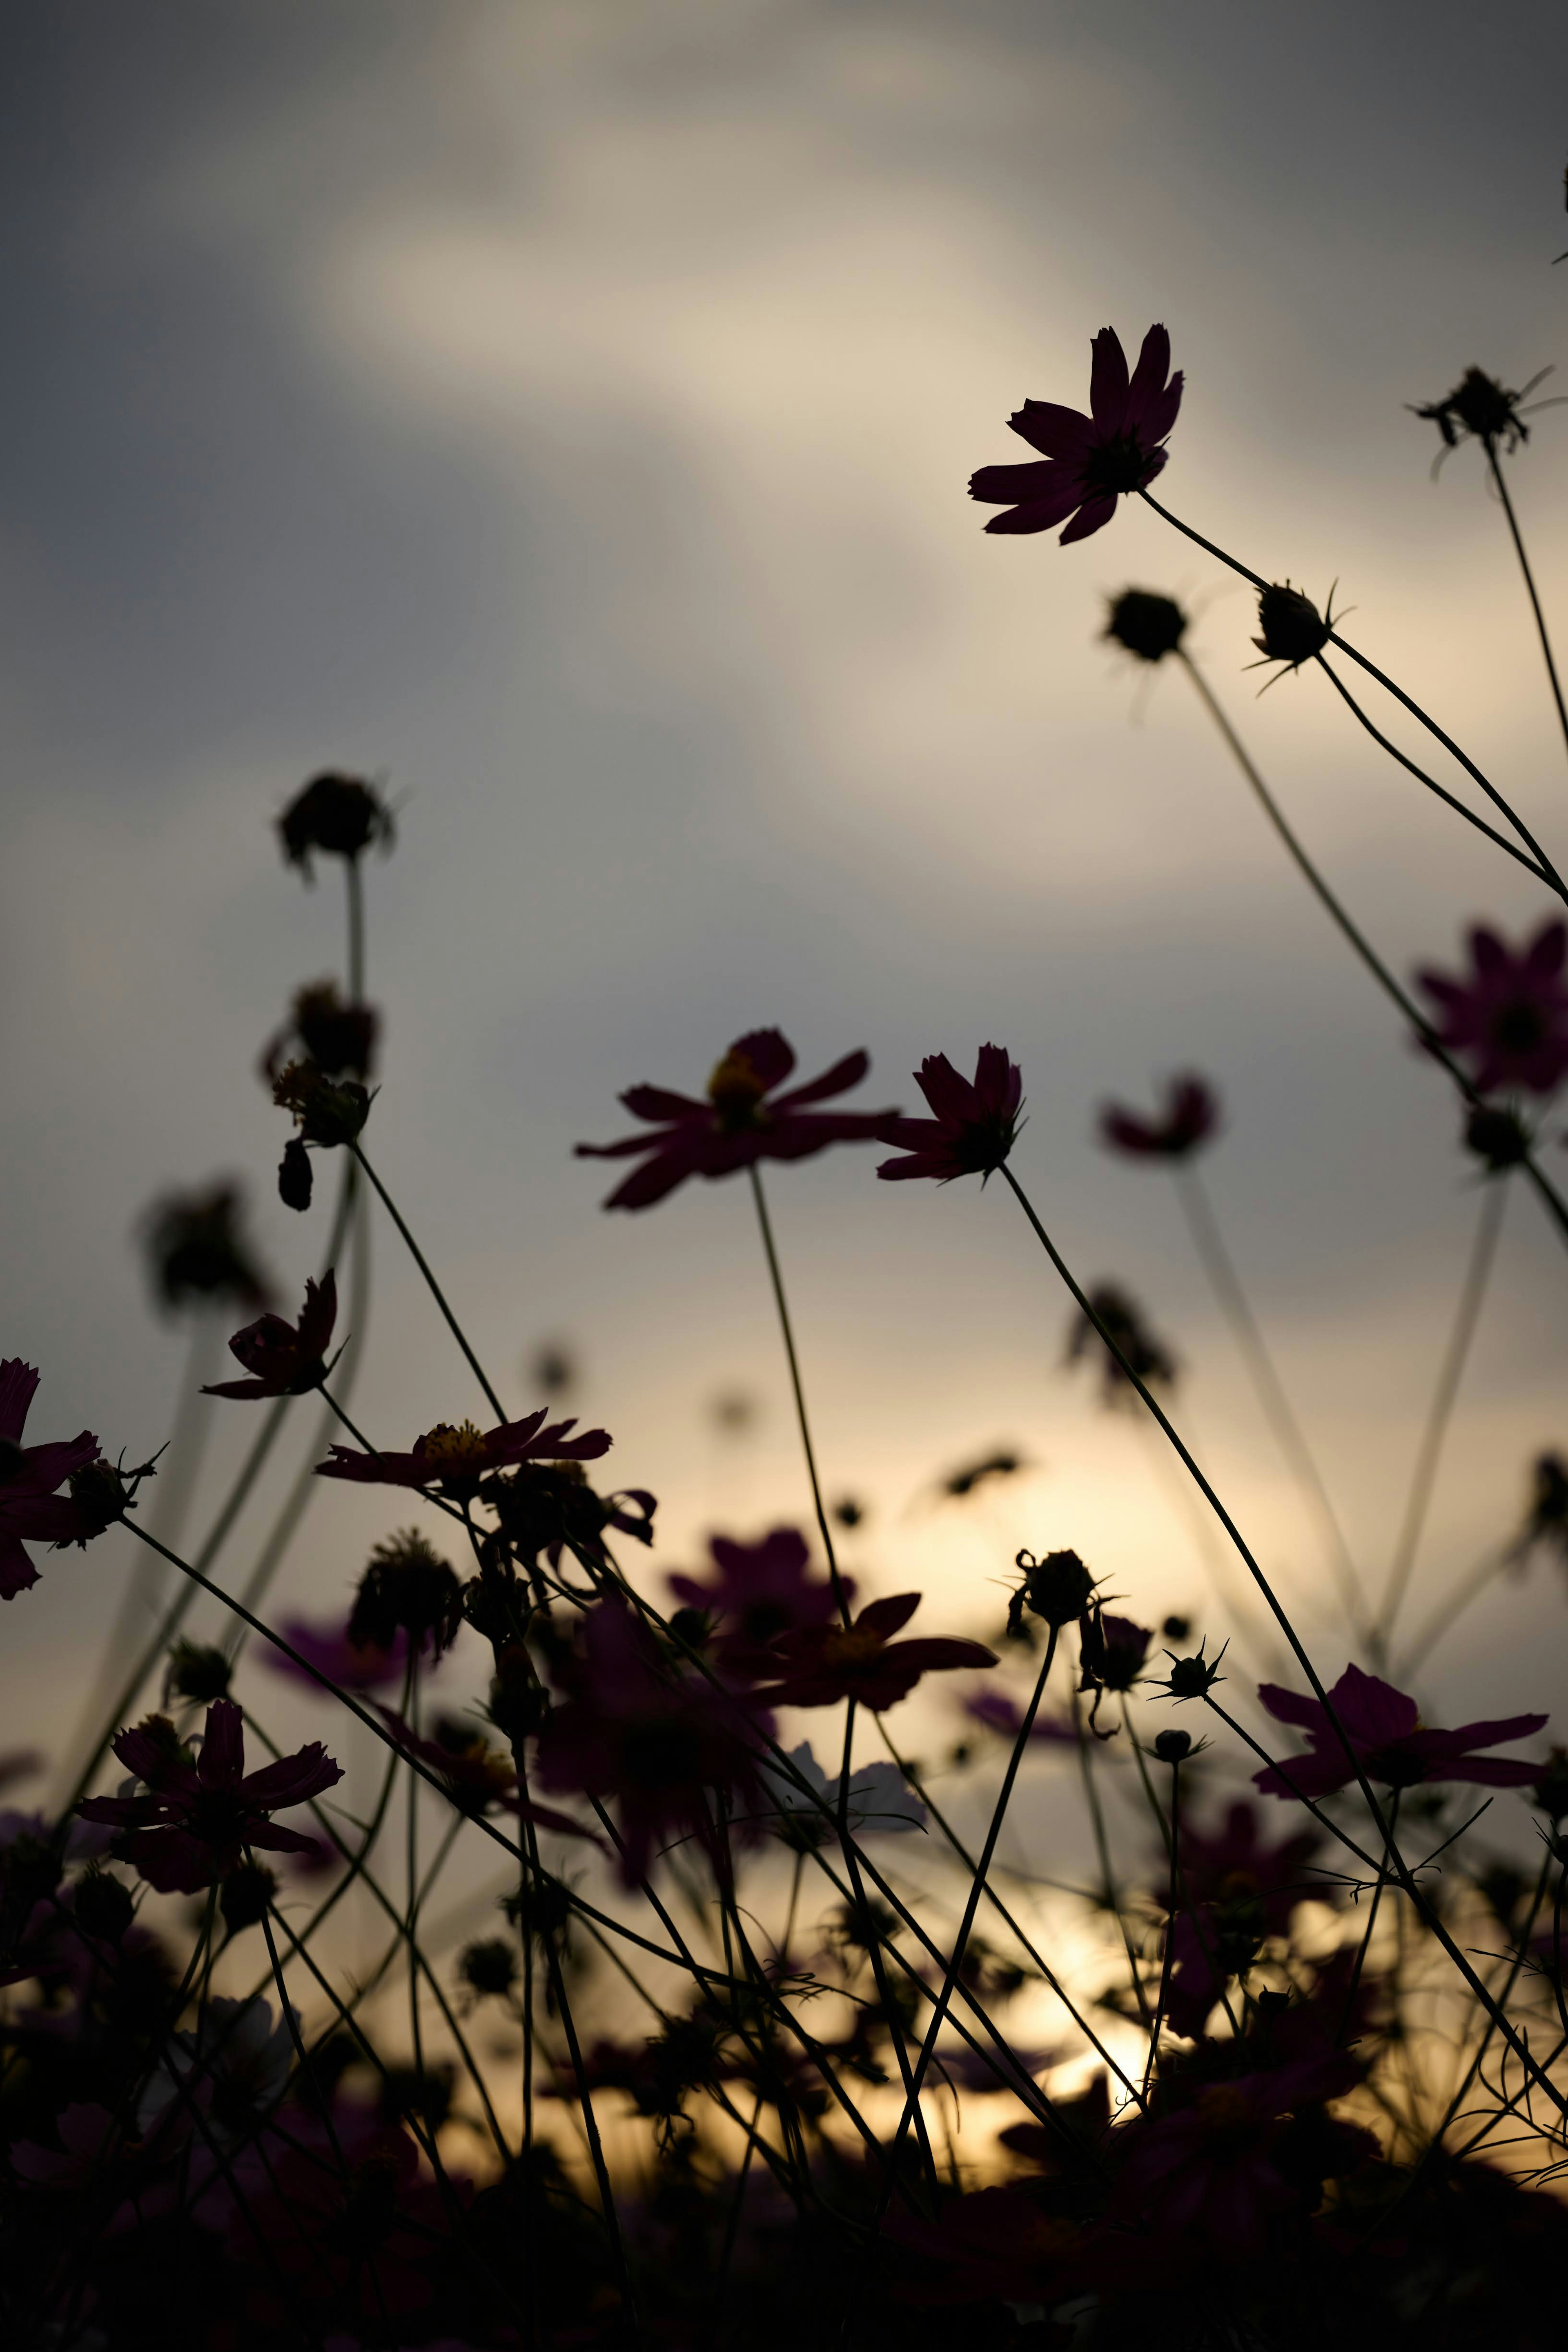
(418, 1254)
(1468, 765)
(1529, 583)
(783, 1305)
(1478, 1274)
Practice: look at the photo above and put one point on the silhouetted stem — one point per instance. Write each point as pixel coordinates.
(1529, 583)
(436, 1293)
(783, 1305)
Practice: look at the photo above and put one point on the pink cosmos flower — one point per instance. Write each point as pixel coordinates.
(741, 1120)
(818, 1665)
(456, 1460)
(1242, 1890)
(196, 1818)
(1390, 1744)
(30, 1509)
(353, 1665)
(1510, 1016)
(1190, 1115)
(287, 1359)
(975, 1124)
(1090, 461)
(1002, 1714)
(762, 1590)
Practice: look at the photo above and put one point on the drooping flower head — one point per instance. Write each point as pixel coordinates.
(31, 1511)
(759, 1590)
(975, 1121)
(285, 1358)
(198, 1815)
(1090, 461)
(341, 814)
(1508, 1016)
(1389, 1741)
(818, 1665)
(1480, 407)
(743, 1120)
(1189, 1117)
(453, 1461)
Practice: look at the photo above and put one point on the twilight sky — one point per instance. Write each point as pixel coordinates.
(565, 412)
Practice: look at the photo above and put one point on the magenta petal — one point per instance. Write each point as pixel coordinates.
(836, 1081)
(885, 1617)
(657, 1178)
(1108, 384)
(951, 1096)
(18, 1387)
(1090, 517)
(664, 1109)
(222, 1758)
(1148, 380)
(1373, 1712)
(1292, 1707)
(770, 1053)
(1056, 431)
(1493, 1735)
(16, 1570)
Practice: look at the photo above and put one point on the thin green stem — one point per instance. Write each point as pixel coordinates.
(783, 1305)
(436, 1293)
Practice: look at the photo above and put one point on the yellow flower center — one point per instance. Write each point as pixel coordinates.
(457, 1448)
(735, 1091)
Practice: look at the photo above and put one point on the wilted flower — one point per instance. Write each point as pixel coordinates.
(974, 1125)
(30, 1509)
(1189, 1117)
(742, 1120)
(197, 1818)
(1092, 460)
(818, 1665)
(342, 814)
(1055, 1589)
(197, 1671)
(337, 1036)
(453, 1461)
(286, 1359)
(1509, 1015)
(408, 1592)
(1388, 1741)
(760, 1590)
(327, 1112)
(1129, 1347)
(1149, 626)
(1481, 407)
(196, 1250)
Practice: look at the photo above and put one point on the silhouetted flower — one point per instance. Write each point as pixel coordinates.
(337, 1036)
(30, 1509)
(407, 1590)
(1241, 1890)
(1092, 460)
(1498, 1138)
(198, 1672)
(1111, 1654)
(1292, 629)
(1190, 1115)
(743, 1120)
(974, 1125)
(1136, 1349)
(549, 1508)
(474, 1775)
(196, 1250)
(296, 1178)
(1388, 1740)
(1481, 407)
(327, 1112)
(455, 1460)
(1509, 1015)
(342, 814)
(762, 1590)
(1055, 1589)
(819, 1666)
(287, 1359)
(197, 1818)
(1149, 626)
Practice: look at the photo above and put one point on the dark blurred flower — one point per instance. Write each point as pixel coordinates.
(342, 814)
(1132, 1347)
(353, 1665)
(1509, 1014)
(760, 1590)
(198, 1672)
(1149, 626)
(337, 1036)
(474, 1775)
(1549, 1792)
(30, 1509)
(286, 1359)
(408, 1592)
(456, 1460)
(1546, 1520)
(1498, 1138)
(197, 1818)
(196, 1250)
(818, 1665)
(1189, 1117)
(1092, 460)
(327, 1112)
(296, 1178)
(1479, 406)
(1172, 1746)
(959, 1485)
(553, 1368)
(1290, 629)
(662, 1744)
(997, 2242)
(1237, 1891)
(1002, 1714)
(549, 1508)
(974, 1125)
(1389, 1741)
(743, 1120)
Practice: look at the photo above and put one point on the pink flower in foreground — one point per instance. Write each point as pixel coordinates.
(762, 1590)
(30, 1510)
(1390, 1744)
(457, 1459)
(286, 1359)
(975, 1124)
(1090, 461)
(740, 1122)
(196, 1818)
(821, 1665)
(1190, 1115)
(1510, 1016)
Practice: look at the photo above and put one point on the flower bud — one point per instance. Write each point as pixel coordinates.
(100, 1494)
(1292, 628)
(1147, 625)
(328, 1111)
(1056, 1587)
(295, 1176)
(1172, 1746)
(342, 814)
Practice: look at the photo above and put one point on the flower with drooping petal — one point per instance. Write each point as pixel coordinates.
(818, 1665)
(1090, 461)
(285, 1358)
(456, 1460)
(197, 1817)
(1390, 1742)
(760, 1590)
(30, 1509)
(743, 1120)
(1188, 1118)
(974, 1123)
(1509, 1015)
